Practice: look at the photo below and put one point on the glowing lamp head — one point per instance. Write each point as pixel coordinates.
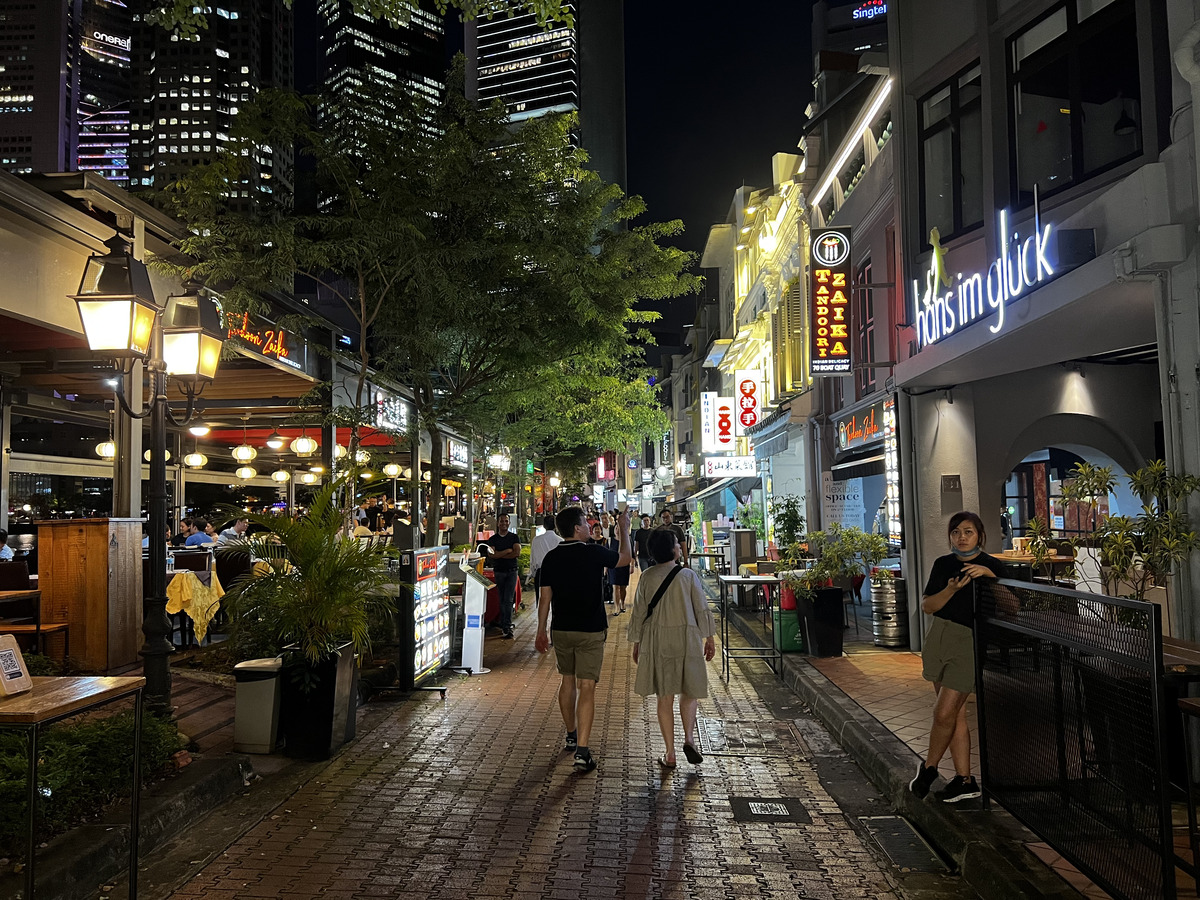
(192, 336)
(116, 302)
(106, 450)
(281, 475)
(245, 473)
(244, 453)
(304, 446)
(146, 456)
(391, 470)
(195, 460)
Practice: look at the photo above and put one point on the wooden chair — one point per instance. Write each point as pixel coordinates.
(196, 560)
(21, 615)
(14, 576)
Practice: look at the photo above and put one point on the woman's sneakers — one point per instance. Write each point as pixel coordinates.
(926, 776)
(571, 743)
(961, 787)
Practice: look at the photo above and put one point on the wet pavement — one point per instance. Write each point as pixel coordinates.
(474, 796)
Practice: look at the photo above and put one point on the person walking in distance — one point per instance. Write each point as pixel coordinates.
(668, 522)
(542, 544)
(948, 657)
(505, 549)
(672, 632)
(572, 587)
(641, 543)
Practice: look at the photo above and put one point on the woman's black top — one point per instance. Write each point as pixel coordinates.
(961, 607)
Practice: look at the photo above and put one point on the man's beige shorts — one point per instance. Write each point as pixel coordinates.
(580, 653)
(948, 656)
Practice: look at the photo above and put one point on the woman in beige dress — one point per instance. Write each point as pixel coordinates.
(672, 642)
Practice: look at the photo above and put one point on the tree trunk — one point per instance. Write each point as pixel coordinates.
(434, 507)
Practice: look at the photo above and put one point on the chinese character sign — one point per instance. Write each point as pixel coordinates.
(730, 467)
(725, 419)
(460, 454)
(829, 325)
(747, 386)
(708, 422)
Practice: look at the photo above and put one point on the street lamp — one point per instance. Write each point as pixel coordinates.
(122, 319)
(555, 481)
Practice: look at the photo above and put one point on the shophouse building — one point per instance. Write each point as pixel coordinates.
(1046, 167)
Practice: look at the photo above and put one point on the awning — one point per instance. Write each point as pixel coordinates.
(768, 447)
(865, 462)
(740, 486)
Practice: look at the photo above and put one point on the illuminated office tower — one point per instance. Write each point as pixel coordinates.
(536, 71)
(358, 50)
(190, 91)
(105, 89)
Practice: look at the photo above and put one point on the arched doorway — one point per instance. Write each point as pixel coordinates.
(1034, 488)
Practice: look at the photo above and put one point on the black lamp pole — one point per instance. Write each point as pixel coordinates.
(156, 627)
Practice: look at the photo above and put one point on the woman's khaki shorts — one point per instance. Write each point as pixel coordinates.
(948, 656)
(580, 653)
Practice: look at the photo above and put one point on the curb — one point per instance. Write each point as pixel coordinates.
(72, 864)
(987, 846)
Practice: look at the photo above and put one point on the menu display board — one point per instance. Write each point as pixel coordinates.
(428, 617)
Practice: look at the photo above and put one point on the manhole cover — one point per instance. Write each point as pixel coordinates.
(766, 738)
(901, 843)
(769, 809)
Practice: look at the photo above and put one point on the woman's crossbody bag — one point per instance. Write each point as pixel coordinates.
(662, 589)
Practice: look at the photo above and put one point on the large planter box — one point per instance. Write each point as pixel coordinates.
(315, 723)
(823, 617)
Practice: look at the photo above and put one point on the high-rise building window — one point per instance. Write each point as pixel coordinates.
(1075, 95)
(951, 162)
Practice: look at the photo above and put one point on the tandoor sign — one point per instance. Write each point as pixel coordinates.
(265, 338)
(829, 326)
(861, 428)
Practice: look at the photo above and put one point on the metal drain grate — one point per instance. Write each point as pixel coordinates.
(782, 810)
(771, 737)
(901, 843)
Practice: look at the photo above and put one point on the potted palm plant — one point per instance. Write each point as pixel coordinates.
(834, 557)
(313, 596)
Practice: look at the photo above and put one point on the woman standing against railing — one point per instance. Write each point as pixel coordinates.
(948, 657)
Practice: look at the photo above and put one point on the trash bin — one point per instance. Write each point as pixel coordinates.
(256, 709)
(788, 636)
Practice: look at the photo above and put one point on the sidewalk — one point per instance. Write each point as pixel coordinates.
(876, 700)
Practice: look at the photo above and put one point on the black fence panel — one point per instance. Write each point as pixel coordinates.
(1070, 700)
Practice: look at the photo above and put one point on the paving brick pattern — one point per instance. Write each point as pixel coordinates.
(473, 797)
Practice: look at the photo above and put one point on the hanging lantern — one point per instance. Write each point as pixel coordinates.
(146, 456)
(106, 450)
(309, 478)
(339, 452)
(425, 476)
(195, 460)
(361, 457)
(391, 470)
(304, 445)
(281, 475)
(245, 473)
(243, 452)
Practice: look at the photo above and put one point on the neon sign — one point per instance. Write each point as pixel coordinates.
(1022, 265)
(269, 340)
(829, 326)
(870, 10)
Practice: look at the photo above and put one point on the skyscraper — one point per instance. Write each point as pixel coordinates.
(105, 89)
(358, 50)
(536, 71)
(188, 93)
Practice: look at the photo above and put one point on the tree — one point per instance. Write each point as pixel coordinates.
(187, 19)
(476, 258)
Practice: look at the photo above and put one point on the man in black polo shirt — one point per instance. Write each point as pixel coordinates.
(668, 522)
(505, 550)
(572, 586)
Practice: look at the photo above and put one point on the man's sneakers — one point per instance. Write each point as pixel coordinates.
(506, 635)
(961, 787)
(584, 761)
(571, 743)
(926, 776)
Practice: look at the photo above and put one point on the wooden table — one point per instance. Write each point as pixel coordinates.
(1028, 560)
(54, 699)
(772, 655)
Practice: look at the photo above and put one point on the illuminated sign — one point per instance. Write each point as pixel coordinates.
(708, 422)
(860, 428)
(891, 473)
(829, 324)
(724, 425)
(870, 10)
(391, 414)
(113, 41)
(600, 468)
(747, 386)
(267, 339)
(730, 466)
(459, 453)
(949, 304)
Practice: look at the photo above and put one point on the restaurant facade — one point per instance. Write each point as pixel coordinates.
(1047, 178)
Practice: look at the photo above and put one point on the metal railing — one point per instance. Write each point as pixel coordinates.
(1071, 715)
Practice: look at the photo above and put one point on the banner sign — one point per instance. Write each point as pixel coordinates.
(842, 501)
(708, 422)
(730, 467)
(861, 428)
(747, 384)
(725, 418)
(829, 325)
(459, 453)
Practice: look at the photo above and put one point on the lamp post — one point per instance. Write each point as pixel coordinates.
(182, 338)
(555, 481)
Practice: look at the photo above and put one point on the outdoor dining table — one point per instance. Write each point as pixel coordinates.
(198, 596)
(770, 654)
(719, 560)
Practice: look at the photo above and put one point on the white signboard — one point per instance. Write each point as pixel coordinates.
(598, 494)
(708, 422)
(747, 389)
(730, 466)
(726, 414)
(647, 495)
(460, 454)
(842, 501)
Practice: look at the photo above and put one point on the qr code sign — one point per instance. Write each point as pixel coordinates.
(9, 666)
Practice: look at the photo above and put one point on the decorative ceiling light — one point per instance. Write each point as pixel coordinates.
(366, 476)
(391, 470)
(339, 452)
(425, 476)
(276, 440)
(243, 452)
(408, 473)
(361, 457)
(304, 445)
(195, 460)
(146, 456)
(318, 469)
(106, 449)
(281, 475)
(309, 478)
(246, 473)
(199, 430)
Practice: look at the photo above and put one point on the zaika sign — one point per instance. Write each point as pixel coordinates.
(747, 384)
(860, 428)
(829, 324)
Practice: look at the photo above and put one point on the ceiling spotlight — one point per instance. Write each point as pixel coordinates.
(199, 430)
(276, 440)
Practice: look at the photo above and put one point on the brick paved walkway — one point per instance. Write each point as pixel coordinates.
(473, 797)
